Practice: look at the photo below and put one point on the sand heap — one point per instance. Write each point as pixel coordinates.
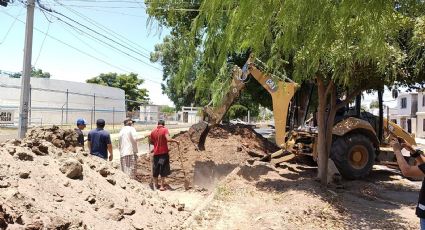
(226, 147)
(46, 182)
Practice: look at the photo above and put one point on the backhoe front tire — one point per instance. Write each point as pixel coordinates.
(353, 155)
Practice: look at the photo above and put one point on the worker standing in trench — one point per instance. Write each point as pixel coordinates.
(128, 148)
(160, 137)
(412, 171)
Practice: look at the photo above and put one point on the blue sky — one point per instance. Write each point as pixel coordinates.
(128, 19)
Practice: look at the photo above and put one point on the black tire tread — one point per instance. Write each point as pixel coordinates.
(339, 154)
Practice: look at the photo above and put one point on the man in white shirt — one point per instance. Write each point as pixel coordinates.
(128, 148)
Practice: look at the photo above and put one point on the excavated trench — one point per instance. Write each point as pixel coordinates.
(226, 148)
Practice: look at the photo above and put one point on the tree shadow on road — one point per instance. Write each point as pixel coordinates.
(372, 203)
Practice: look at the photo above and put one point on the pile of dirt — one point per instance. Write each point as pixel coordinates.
(61, 138)
(226, 147)
(48, 183)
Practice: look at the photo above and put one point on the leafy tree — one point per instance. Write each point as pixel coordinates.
(130, 83)
(180, 91)
(38, 73)
(374, 104)
(167, 110)
(194, 87)
(344, 46)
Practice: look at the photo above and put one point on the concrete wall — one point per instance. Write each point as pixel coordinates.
(57, 101)
(189, 115)
(149, 113)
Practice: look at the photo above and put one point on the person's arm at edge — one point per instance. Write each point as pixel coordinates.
(169, 139)
(420, 159)
(89, 142)
(406, 169)
(111, 155)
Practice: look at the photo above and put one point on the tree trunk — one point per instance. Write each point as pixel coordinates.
(326, 112)
(381, 114)
(322, 159)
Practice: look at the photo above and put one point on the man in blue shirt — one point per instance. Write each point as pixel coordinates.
(99, 141)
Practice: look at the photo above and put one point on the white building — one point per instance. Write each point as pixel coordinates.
(63, 102)
(407, 106)
(189, 115)
(150, 113)
(420, 115)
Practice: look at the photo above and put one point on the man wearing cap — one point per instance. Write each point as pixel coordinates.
(128, 148)
(160, 137)
(81, 125)
(99, 141)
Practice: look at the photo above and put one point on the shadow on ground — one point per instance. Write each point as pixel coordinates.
(371, 203)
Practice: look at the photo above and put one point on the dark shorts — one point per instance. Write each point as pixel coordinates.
(161, 165)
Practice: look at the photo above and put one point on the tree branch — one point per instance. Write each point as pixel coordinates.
(348, 98)
(329, 88)
(320, 83)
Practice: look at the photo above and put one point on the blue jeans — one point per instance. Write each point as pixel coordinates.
(422, 221)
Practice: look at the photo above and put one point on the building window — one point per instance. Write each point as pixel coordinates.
(404, 103)
(423, 101)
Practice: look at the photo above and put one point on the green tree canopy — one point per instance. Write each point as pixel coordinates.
(130, 83)
(168, 109)
(38, 73)
(374, 104)
(344, 46)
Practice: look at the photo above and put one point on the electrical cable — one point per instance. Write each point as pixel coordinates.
(114, 12)
(11, 26)
(42, 43)
(104, 1)
(105, 29)
(92, 30)
(105, 43)
(79, 50)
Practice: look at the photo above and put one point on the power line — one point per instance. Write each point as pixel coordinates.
(94, 6)
(102, 35)
(105, 29)
(42, 44)
(114, 12)
(11, 26)
(104, 1)
(85, 43)
(91, 47)
(103, 42)
(77, 49)
(134, 7)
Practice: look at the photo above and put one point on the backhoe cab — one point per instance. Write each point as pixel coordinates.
(355, 147)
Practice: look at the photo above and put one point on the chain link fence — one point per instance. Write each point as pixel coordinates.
(56, 102)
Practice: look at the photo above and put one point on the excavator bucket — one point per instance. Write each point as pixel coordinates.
(198, 134)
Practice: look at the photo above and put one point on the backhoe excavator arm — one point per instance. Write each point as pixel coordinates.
(281, 92)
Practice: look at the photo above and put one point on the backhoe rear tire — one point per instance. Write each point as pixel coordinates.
(353, 155)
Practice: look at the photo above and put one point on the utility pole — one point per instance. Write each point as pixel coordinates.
(26, 73)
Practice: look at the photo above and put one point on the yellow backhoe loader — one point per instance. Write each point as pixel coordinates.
(355, 148)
